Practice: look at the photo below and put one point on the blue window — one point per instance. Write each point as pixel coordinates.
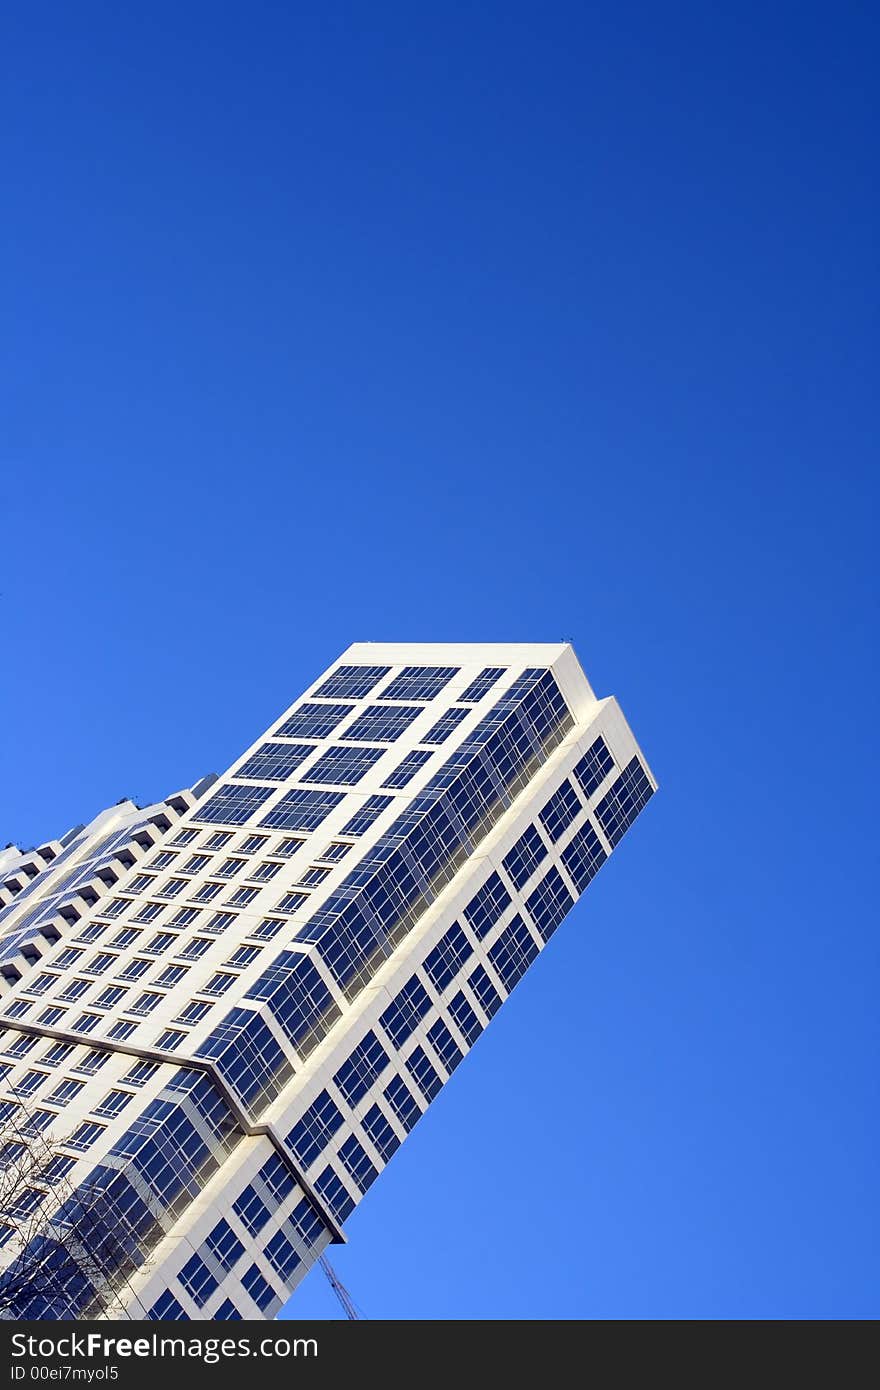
(487, 995)
(380, 1133)
(302, 810)
(549, 903)
(524, 858)
(227, 1312)
(486, 906)
(291, 902)
(282, 1256)
(406, 770)
(298, 998)
(445, 725)
(224, 1245)
(313, 721)
(315, 1129)
(167, 1309)
(402, 1102)
(276, 1178)
(382, 723)
(192, 1013)
(448, 956)
(357, 1074)
(481, 685)
(275, 761)
(334, 1192)
(423, 1073)
(619, 807)
(444, 1045)
(465, 1019)
(341, 766)
(263, 1295)
(307, 1223)
(513, 952)
(419, 683)
(140, 1072)
(594, 767)
(232, 804)
(368, 813)
(246, 1055)
(113, 1103)
(251, 1211)
(268, 928)
(562, 808)
(351, 682)
(584, 856)
(198, 1280)
(402, 1016)
(82, 1138)
(357, 1164)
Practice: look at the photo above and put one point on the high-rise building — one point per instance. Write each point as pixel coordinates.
(216, 1058)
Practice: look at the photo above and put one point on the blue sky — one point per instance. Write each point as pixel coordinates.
(345, 322)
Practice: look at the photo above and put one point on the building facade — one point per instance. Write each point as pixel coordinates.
(220, 1055)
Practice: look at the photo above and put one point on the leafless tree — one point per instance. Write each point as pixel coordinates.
(64, 1251)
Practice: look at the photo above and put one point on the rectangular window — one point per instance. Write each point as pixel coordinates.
(380, 1133)
(233, 804)
(351, 682)
(268, 928)
(243, 956)
(406, 770)
(594, 767)
(140, 1073)
(146, 1002)
(218, 984)
(481, 685)
(357, 1164)
(170, 1040)
(281, 1256)
(84, 1136)
(619, 807)
(58, 1054)
(487, 906)
(251, 1211)
(446, 724)
(113, 1103)
(172, 887)
(313, 721)
(513, 952)
(302, 810)
(335, 851)
(74, 989)
(121, 1031)
(99, 963)
(335, 1194)
(183, 837)
(224, 1245)
(311, 877)
(465, 1019)
(125, 937)
(110, 996)
(167, 1308)
(276, 1177)
(219, 839)
(549, 903)
(220, 922)
(562, 808)
(242, 897)
(423, 1073)
(341, 766)
(357, 1074)
(160, 943)
(264, 872)
(92, 1062)
(171, 976)
(135, 969)
(487, 995)
(198, 1280)
(315, 1129)
(184, 917)
(419, 683)
(196, 863)
(368, 813)
(68, 958)
(91, 933)
(141, 883)
(148, 912)
(30, 1082)
(448, 956)
(382, 723)
(193, 1012)
(261, 1293)
(444, 1045)
(115, 908)
(522, 861)
(252, 844)
(287, 847)
(206, 892)
(49, 1017)
(196, 948)
(403, 1015)
(275, 761)
(291, 902)
(402, 1102)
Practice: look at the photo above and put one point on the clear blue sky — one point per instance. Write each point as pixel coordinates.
(330, 322)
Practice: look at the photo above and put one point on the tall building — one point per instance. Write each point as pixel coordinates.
(218, 1057)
